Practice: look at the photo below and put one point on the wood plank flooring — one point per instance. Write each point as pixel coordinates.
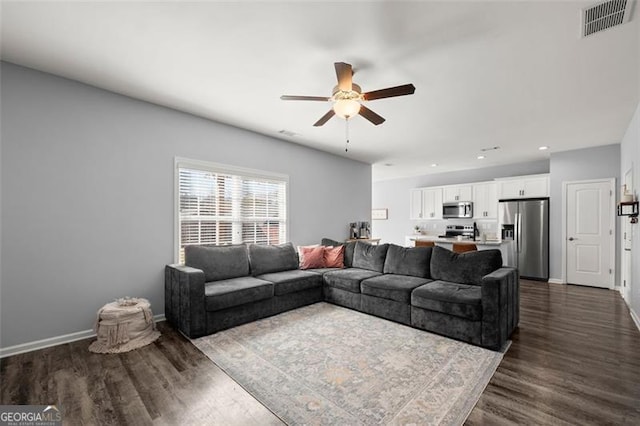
(575, 359)
(169, 382)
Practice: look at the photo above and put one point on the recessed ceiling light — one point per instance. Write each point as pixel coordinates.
(480, 157)
(543, 148)
(434, 165)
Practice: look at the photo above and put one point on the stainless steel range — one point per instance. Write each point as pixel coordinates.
(453, 231)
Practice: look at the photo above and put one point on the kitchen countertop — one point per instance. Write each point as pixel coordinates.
(454, 240)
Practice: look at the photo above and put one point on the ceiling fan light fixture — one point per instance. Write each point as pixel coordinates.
(348, 98)
(346, 108)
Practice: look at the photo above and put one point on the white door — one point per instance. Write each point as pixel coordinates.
(590, 233)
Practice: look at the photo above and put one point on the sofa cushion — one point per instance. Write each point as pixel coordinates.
(272, 258)
(392, 287)
(323, 271)
(368, 256)
(348, 279)
(236, 291)
(414, 261)
(348, 249)
(461, 300)
(464, 268)
(218, 262)
(286, 282)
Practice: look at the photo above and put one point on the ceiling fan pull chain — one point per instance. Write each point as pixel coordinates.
(346, 145)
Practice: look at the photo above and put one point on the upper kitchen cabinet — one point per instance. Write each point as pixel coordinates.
(426, 203)
(455, 193)
(485, 200)
(415, 209)
(432, 203)
(533, 186)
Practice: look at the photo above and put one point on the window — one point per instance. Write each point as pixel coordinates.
(219, 205)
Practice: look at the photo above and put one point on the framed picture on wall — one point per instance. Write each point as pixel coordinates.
(379, 214)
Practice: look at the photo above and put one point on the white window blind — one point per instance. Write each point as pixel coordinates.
(220, 206)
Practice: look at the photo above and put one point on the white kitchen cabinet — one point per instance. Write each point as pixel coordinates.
(432, 203)
(415, 209)
(485, 200)
(455, 193)
(426, 203)
(524, 187)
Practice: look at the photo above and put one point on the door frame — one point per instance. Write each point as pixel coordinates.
(612, 218)
(627, 179)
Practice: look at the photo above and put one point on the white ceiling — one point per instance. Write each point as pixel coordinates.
(509, 74)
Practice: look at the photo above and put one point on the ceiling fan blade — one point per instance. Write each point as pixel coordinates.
(390, 92)
(344, 72)
(324, 118)
(370, 115)
(303, 98)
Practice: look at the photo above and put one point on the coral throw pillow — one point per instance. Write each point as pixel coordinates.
(334, 257)
(311, 257)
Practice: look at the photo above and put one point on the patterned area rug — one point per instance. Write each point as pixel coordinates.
(323, 364)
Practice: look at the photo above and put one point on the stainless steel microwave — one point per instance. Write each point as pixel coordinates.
(457, 210)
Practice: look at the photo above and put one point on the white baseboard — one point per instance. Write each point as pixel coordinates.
(54, 341)
(635, 317)
(556, 281)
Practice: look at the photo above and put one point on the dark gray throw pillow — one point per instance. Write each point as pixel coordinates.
(413, 261)
(218, 262)
(370, 257)
(464, 268)
(348, 249)
(272, 258)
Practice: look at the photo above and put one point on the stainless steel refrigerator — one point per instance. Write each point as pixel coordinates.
(527, 223)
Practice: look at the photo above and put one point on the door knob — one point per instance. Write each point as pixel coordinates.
(571, 238)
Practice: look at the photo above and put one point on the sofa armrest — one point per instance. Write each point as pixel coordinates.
(184, 302)
(500, 306)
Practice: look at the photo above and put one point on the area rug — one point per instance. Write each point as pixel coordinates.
(323, 364)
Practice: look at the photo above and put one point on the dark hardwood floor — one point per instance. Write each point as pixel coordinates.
(168, 382)
(575, 359)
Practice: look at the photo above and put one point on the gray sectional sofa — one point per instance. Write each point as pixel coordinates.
(469, 297)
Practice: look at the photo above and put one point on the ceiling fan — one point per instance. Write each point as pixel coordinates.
(347, 97)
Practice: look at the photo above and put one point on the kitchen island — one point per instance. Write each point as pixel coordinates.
(505, 246)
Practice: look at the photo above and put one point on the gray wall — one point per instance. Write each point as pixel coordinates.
(87, 197)
(630, 159)
(582, 164)
(394, 195)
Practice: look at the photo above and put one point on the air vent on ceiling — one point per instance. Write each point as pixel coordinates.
(605, 15)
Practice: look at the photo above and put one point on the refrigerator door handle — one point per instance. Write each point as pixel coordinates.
(519, 231)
